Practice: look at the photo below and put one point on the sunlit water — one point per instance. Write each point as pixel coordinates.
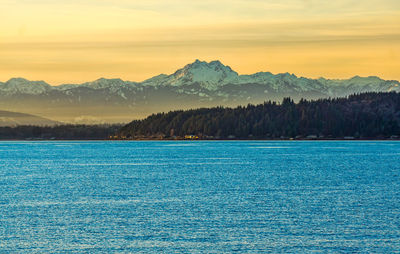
(200, 197)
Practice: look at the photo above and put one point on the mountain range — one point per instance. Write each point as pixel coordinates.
(199, 84)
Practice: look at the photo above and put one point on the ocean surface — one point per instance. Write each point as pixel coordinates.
(208, 197)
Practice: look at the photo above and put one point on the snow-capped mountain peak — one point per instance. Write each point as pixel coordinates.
(208, 75)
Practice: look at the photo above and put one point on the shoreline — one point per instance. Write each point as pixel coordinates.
(200, 140)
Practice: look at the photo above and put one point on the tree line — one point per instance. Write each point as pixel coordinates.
(365, 115)
(60, 132)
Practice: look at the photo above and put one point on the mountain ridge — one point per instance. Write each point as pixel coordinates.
(10, 119)
(191, 66)
(198, 84)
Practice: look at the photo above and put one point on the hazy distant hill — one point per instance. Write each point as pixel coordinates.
(8, 118)
(199, 84)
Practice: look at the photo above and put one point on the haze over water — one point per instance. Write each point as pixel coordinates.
(250, 196)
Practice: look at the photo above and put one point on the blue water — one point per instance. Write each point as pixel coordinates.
(250, 197)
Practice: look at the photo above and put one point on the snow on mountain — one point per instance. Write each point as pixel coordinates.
(156, 80)
(259, 77)
(101, 83)
(357, 84)
(20, 85)
(210, 77)
(104, 83)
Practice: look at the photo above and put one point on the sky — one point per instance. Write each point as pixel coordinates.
(73, 41)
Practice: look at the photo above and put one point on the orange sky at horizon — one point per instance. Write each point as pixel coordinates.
(77, 41)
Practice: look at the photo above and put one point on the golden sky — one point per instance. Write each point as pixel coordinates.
(82, 40)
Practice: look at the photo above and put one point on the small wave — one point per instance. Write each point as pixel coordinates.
(181, 145)
(270, 147)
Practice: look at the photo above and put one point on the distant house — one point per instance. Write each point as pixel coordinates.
(192, 137)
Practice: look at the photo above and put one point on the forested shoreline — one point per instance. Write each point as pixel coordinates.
(60, 132)
(360, 116)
